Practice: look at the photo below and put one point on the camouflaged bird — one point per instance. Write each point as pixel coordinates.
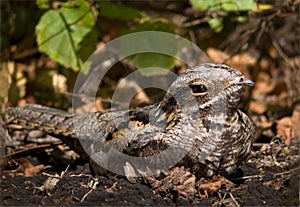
(197, 116)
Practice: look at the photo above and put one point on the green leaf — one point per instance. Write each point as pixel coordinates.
(225, 5)
(216, 24)
(121, 12)
(148, 67)
(206, 4)
(152, 45)
(88, 45)
(43, 4)
(241, 19)
(61, 34)
(237, 5)
(152, 71)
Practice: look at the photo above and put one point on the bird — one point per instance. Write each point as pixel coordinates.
(197, 124)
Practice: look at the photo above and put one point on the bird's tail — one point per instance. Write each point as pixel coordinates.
(50, 120)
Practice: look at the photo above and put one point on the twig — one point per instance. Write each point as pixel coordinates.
(44, 146)
(57, 176)
(287, 172)
(81, 175)
(248, 177)
(233, 199)
(282, 54)
(51, 176)
(261, 176)
(65, 171)
(91, 190)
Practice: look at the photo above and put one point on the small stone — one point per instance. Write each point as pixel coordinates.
(36, 134)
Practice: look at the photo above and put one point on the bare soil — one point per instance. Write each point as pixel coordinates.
(270, 177)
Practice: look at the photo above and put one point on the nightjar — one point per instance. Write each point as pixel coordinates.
(197, 124)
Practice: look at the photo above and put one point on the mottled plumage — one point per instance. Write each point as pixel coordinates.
(197, 116)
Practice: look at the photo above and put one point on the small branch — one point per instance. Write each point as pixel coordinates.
(39, 147)
(274, 175)
(234, 200)
(287, 172)
(248, 177)
(282, 54)
(90, 191)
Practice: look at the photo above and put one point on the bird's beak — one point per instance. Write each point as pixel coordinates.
(244, 81)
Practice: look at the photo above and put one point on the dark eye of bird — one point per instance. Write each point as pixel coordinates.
(198, 89)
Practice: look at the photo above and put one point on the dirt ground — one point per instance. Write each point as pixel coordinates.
(270, 177)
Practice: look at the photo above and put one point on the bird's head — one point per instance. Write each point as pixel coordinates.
(209, 85)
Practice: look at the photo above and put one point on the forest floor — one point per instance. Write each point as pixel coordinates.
(40, 175)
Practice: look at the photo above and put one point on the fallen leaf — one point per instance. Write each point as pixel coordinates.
(89, 106)
(49, 184)
(284, 128)
(33, 170)
(239, 61)
(295, 133)
(22, 167)
(212, 186)
(178, 179)
(258, 107)
(217, 56)
(264, 84)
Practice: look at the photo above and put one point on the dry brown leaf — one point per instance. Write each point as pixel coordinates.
(89, 106)
(49, 184)
(240, 61)
(265, 124)
(210, 188)
(258, 107)
(178, 179)
(28, 100)
(131, 89)
(213, 186)
(186, 188)
(267, 92)
(284, 128)
(24, 168)
(182, 181)
(217, 56)
(264, 84)
(295, 133)
(33, 170)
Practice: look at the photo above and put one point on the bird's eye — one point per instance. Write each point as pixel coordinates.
(198, 89)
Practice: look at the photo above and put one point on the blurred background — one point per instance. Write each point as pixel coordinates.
(44, 44)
